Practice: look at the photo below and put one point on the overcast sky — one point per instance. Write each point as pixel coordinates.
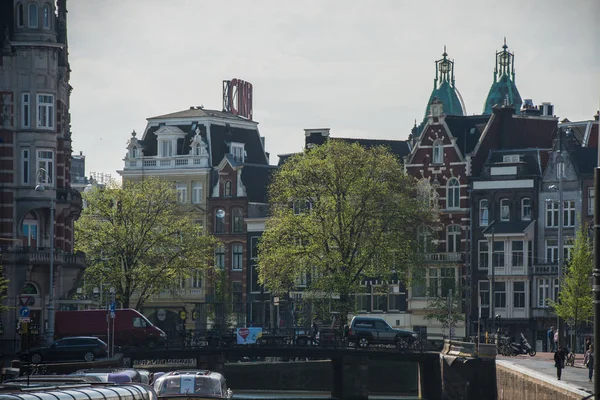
(361, 68)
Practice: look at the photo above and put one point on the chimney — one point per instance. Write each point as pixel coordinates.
(597, 115)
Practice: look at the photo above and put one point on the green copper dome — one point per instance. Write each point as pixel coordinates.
(503, 90)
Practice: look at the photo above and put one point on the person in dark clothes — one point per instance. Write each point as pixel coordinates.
(550, 335)
(588, 361)
(559, 361)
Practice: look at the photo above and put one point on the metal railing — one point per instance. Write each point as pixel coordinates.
(545, 269)
(444, 257)
(181, 161)
(26, 255)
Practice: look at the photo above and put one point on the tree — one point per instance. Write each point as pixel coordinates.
(340, 213)
(446, 310)
(575, 302)
(137, 241)
(3, 289)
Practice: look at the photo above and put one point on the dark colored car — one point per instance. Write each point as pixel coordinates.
(87, 348)
(364, 331)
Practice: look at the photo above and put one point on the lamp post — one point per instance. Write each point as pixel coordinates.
(42, 178)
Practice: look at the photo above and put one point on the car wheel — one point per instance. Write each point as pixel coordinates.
(363, 342)
(89, 356)
(36, 358)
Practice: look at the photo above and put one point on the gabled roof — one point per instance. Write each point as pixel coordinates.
(198, 112)
(466, 130)
(530, 164)
(400, 148)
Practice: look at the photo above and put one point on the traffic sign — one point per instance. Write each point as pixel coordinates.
(24, 312)
(112, 307)
(182, 315)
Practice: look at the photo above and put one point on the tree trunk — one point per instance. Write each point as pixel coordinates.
(344, 311)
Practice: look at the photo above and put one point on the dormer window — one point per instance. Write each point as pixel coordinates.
(166, 148)
(511, 158)
(438, 152)
(33, 15)
(227, 189)
(237, 151)
(134, 152)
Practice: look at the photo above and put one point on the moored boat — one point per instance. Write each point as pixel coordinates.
(192, 385)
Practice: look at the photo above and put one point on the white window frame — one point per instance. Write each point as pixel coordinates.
(220, 257)
(499, 254)
(481, 290)
(181, 188)
(521, 293)
(453, 236)
(438, 152)
(25, 163)
(515, 252)
(45, 111)
(569, 213)
(453, 194)
(196, 280)
(504, 210)
(551, 247)
(552, 208)
(542, 287)
(498, 294)
(25, 110)
(560, 170)
(511, 158)
(32, 22)
(590, 207)
(197, 192)
(484, 212)
(165, 147)
(394, 293)
(47, 164)
(237, 257)
(526, 209)
(237, 151)
(483, 251)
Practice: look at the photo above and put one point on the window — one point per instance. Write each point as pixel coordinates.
(45, 107)
(511, 158)
(433, 284)
(418, 283)
(483, 213)
(551, 250)
(25, 110)
(504, 210)
(30, 231)
(517, 253)
(519, 294)
(453, 194)
(236, 292)
(500, 294)
(254, 247)
(166, 148)
(46, 15)
(20, 18)
(543, 292)
(362, 302)
(569, 213)
(220, 221)
(196, 192)
(438, 152)
(33, 15)
(25, 160)
(483, 254)
(441, 280)
(396, 299)
(237, 220)
(237, 151)
(236, 256)
(498, 255)
(448, 280)
(526, 209)
(555, 289)
(196, 279)
(551, 214)
(134, 152)
(220, 257)
(484, 293)
(227, 189)
(567, 249)
(379, 300)
(453, 239)
(560, 170)
(181, 192)
(45, 161)
(255, 286)
(591, 201)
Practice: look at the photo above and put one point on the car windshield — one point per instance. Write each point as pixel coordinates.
(190, 385)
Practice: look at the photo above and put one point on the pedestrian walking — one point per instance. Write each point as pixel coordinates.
(559, 361)
(550, 334)
(588, 343)
(556, 339)
(588, 361)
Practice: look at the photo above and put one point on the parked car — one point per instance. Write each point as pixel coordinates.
(85, 348)
(131, 328)
(364, 331)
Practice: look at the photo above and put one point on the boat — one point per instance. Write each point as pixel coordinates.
(192, 385)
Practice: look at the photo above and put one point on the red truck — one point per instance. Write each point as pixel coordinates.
(130, 327)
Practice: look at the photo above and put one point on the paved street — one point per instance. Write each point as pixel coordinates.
(543, 363)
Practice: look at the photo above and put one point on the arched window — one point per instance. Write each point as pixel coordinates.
(453, 239)
(453, 194)
(504, 210)
(134, 152)
(237, 220)
(20, 17)
(484, 215)
(46, 15)
(227, 189)
(220, 221)
(526, 209)
(438, 152)
(33, 15)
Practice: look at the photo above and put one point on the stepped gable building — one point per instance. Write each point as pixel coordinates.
(504, 90)
(35, 145)
(218, 164)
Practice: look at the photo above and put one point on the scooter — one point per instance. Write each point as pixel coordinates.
(523, 348)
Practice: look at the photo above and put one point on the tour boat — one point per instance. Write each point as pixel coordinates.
(192, 385)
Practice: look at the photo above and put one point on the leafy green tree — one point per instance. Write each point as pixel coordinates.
(3, 288)
(447, 311)
(339, 213)
(576, 303)
(137, 241)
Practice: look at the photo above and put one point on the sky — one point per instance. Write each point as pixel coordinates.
(365, 69)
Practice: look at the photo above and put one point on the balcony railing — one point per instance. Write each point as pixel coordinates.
(444, 257)
(25, 255)
(185, 161)
(545, 269)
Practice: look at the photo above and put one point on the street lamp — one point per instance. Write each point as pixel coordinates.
(42, 178)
